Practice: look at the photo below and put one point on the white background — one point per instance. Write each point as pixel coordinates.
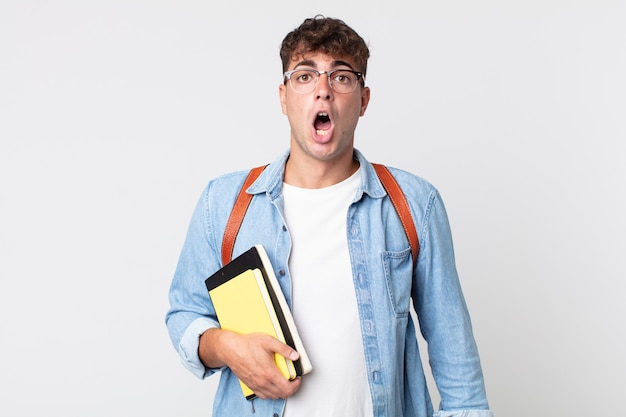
(114, 114)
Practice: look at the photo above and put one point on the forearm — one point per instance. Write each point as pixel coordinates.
(209, 350)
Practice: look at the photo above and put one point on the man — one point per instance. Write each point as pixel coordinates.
(342, 259)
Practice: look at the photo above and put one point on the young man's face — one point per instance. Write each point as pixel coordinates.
(323, 120)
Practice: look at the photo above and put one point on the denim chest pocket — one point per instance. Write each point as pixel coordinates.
(399, 277)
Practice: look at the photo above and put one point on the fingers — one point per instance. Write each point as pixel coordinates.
(251, 358)
(279, 388)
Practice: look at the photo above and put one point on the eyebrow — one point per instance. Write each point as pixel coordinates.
(335, 63)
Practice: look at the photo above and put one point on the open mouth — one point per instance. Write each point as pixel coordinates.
(322, 123)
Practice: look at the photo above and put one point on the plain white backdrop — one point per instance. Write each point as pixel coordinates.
(114, 115)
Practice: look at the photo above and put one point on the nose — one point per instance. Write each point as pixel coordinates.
(323, 89)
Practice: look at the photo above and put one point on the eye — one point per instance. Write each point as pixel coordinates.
(343, 77)
(304, 77)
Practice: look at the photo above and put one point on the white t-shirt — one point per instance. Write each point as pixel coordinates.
(324, 303)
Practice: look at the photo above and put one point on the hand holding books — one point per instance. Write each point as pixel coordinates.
(251, 358)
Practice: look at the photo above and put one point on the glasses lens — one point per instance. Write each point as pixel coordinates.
(343, 81)
(303, 81)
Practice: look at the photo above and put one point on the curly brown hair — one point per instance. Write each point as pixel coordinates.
(328, 36)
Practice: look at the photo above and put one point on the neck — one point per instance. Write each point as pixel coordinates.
(318, 174)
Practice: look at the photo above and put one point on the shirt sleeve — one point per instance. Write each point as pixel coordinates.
(188, 347)
(445, 321)
(191, 312)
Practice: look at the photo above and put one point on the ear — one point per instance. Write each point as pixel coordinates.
(365, 99)
(283, 99)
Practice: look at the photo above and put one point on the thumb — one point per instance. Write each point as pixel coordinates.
(286, 351)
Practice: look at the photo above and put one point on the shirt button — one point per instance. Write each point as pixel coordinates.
(284, 230)
(281, 272)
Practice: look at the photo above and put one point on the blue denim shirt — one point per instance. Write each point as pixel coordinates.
(385, 283)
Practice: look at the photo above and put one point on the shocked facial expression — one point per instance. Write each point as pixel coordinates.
(323, 120)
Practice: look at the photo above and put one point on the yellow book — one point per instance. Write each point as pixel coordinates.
(248, 299)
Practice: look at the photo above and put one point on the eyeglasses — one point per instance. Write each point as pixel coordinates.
(340, 80)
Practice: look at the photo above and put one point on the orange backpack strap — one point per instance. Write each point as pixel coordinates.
(237, 214)
(389, 182)
(401, 205)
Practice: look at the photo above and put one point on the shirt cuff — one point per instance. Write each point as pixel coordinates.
(464, 413)
(188, 346)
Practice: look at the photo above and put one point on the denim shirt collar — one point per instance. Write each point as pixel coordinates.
(271, 180)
